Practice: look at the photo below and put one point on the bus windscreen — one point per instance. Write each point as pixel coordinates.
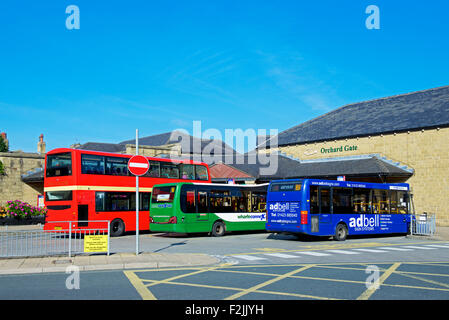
(163, 194)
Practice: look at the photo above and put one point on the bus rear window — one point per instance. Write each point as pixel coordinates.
(282, 187)
(163, 194)
(58, 195)
(59, 165)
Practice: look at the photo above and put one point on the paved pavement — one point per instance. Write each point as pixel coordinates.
(104, 262)
(126, 260)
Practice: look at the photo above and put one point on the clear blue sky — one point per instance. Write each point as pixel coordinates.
(159, 65)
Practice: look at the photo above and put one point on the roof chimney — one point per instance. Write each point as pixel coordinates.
(41, 145)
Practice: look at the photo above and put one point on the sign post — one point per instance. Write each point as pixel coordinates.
(138, 166)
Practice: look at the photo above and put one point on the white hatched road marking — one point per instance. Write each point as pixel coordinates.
(347, 252)
(370, 250)
(416, 247)
(281, 255)
(250, 258)
(342, 251)
(396, 249)
(313, 253)
(437, 246)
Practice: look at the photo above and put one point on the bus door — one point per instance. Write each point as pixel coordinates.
(203, 208)
(83, 207)
(325, 216)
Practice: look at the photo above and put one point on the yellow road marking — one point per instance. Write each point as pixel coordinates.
(139, 286)
(143, 290)
(240, 289)
(153, 283)
(425, 280)
(266, 283)
(369, 292)
(142, 285)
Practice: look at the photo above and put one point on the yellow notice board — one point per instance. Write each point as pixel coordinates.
(97, 243)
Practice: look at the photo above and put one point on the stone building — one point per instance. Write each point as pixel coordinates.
(409, 131)
(22, 178)
(16, 165)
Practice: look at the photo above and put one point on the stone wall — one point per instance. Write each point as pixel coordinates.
(425, 151)
(11, 186)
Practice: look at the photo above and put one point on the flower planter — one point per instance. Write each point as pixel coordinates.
(8, 221)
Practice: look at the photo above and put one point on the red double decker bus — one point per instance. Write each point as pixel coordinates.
(82, 186)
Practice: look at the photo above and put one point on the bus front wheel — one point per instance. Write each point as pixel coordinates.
(218, 229)
(341, 232)
(117, 227)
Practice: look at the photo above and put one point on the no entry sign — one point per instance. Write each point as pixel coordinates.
(138, 165)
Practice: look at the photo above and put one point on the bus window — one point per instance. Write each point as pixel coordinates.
(116, 201)
(59, 165)
(163, 194)
(342, 200)
(325, 200)
(153, 170)
(314, 204)
(92, 164)
(361, 200)
(403, 202)
(238, 201)
(187, 171)
(99, 201)
(188, 201)
(117, 166)
(144, 201)
(399, 202)
(201, 173)
(258, 202)
(393, 201)
(120, 201)
(202, 202)
(381, 201)
(169, 170)
(217, 201)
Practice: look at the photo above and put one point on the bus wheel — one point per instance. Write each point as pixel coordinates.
(117, 228)
(341, 232)
(218, 229)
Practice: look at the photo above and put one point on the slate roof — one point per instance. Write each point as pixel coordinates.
(103, 147)
(36, 176)
(287, 167)
(189, 144)
(412, 111)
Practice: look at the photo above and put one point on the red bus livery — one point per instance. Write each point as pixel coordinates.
(82, 186)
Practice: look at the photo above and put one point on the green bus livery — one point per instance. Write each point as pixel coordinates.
(207, 207)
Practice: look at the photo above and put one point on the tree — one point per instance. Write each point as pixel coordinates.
(3, 146)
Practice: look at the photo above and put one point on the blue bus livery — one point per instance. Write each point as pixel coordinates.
(337, 208)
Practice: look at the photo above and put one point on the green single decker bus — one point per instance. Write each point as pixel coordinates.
(207, 207)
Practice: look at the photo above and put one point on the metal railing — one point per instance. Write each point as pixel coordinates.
(423, 224)
(61, 240)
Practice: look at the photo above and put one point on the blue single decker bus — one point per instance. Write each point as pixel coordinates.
(337, 208)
